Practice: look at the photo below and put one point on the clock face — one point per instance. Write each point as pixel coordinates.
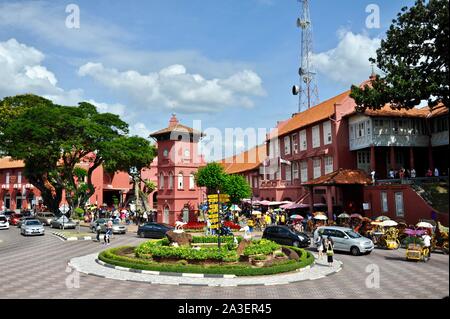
(166, 153)
(186, 153)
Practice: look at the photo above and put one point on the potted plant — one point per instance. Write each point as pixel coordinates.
(258, 260)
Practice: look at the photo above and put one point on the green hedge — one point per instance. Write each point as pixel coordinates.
(110, 256)
(262, 246)
(160, 249)
(214, 239)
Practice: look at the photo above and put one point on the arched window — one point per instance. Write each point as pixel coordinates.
(170, 180)
(191, 181)
(180, 181)
(161, 181)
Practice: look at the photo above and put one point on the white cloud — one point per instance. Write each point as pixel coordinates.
(21, 70)
(175, 89)
(140, 129)
(348, 63)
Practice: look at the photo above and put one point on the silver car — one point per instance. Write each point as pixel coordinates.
(45, 217)
(345, 239)
(117, 228)
(32, 227)
(63, 223)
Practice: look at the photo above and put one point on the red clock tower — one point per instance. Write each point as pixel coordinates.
(178, 161)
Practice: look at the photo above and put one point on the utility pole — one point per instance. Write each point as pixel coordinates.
(307, 88)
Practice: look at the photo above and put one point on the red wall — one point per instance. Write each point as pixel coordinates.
(415, 207)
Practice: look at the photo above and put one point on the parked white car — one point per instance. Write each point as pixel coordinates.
(345, 239)
(4, 224)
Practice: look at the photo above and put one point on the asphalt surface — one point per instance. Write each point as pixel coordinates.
(36, 267)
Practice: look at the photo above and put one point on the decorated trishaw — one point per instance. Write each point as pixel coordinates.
(415, 248)
(439, 239)
(389, 237)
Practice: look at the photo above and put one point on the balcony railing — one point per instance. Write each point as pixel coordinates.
(411, 181)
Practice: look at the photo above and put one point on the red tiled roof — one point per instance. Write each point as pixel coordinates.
(342, 177)
(387, 111)
(180, 128)
(313, 115)
(245, 161)
(7, 162)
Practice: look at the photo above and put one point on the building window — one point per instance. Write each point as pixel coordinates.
(399, 211)
(315, 136)
(19, 201)
(295, 170)
(187, 154)
(303, 171)
(166, 215)
(328, 164)
(7, 201)
(384, 202)
(170, 180)
(295, 143)
(288, 173)
(161, 181)
(368, 128)
(327, 132)
(192, 181)
(180, 181)
(303, 143)
(287, 145)
(317, 168)
(19, 177)
(185, 215)
(360, 131)
(7, 178)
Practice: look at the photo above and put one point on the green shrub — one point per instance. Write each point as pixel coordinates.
(260, 257)
(279, 254)
(214, 239)
(262, 246)
(110, 256)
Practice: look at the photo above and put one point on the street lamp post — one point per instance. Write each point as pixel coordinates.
(219, 211)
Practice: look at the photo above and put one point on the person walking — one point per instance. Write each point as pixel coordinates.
(319, 244)
(98, 229)
(427, 244)
(330, 251)
(108, 233)
(413, 173)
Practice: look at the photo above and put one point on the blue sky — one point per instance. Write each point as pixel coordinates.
(228, 63)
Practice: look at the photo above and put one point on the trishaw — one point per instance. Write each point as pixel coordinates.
(440, 239)
(415, 249)
(389, 239)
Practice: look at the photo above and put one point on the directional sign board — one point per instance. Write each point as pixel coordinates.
(214, 208)
(64, 208)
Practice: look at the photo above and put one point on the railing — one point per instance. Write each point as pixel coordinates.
(411, 181)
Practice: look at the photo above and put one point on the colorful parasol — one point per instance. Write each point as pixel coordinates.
(344, 215)
(382, 218)
(296, 217)
(424, 225)
(356, 216)
(389, 223)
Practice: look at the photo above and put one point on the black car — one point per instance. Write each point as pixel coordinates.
(283, 235)
(153, 230)
(8, 213)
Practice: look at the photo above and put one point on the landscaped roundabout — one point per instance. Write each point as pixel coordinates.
(202, 255)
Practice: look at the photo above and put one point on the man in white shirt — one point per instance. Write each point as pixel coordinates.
(413, 173)
(427, 243)
(436, 172)
(373, 176)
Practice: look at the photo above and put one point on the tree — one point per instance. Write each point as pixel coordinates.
(237, 187)
(414, 57)
(54, 141)
(212, 176)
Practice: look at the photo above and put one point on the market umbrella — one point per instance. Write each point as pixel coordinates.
(255, 212)
(424, 225)
(356, 216)
(376, 223)
(414, 232)
(382, 218)
(235, 208)
(344, 215)
(389, 223)
(296, 217)
(321, 217)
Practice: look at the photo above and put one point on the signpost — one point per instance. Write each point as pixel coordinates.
(214, 210)
(64, 208)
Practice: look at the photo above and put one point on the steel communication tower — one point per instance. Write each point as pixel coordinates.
(307, 88)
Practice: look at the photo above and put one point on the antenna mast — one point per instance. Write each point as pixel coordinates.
(307, 88)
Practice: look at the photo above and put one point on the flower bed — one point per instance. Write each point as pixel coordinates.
(194, 226)
(121, 257)
(232, 225)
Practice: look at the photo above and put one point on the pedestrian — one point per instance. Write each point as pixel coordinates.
(436, 172)
(391, 173)
(427, 244)
(413, 173)
(283, 219)
(429, 173)
(319, 244)
(145, 217)
(330, 252)
(108, 233)
(98, 229)
(373, 176)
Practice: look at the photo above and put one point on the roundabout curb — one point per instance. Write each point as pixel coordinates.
(91, 265)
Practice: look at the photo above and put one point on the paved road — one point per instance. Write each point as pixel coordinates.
(35, 267)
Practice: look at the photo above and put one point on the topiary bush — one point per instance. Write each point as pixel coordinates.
(262, 246)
